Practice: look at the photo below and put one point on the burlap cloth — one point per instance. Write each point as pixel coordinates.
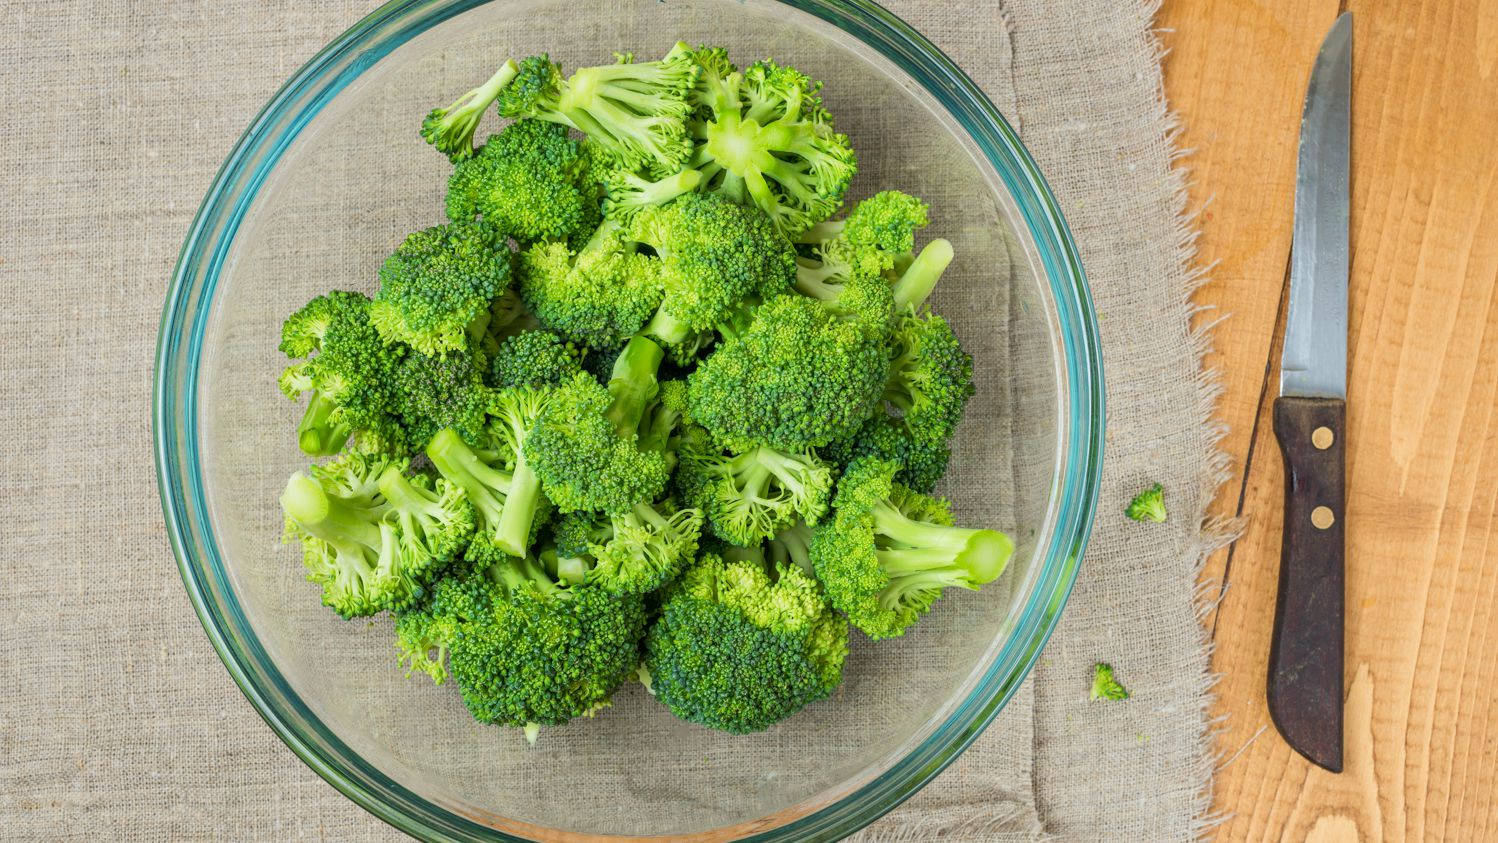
(116, 718)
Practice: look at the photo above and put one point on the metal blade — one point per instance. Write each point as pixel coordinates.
(1314, 362)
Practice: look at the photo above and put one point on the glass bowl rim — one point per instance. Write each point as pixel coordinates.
(180, 345)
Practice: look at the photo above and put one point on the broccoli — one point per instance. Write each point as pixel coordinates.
(1148, 505)
(792, 546)
(635, 110)
(442, 390)
(737, 651)
(348, 371)
(530, 181)
(506, 494)
(628, 193)
(438, 283)
(598, 296)
(371, 538)
(930, 377)
(749, 497)
(922, 460)
(523, 649)
(800, 376)
(714, 256)
(636, 552)
(1104, 686)
(763, 139)
(584, 445)
(915, 281)
(451, 129)
(887, 553)
(533, 358)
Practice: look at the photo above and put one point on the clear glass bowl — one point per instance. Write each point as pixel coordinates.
(326, 181)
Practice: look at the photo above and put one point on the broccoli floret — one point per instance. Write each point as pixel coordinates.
(348, 374)
(737, 651)
(438, 283)
(792, 546)
(1104, 685)
(523, 649)
(763, 139)
(442, 390)
(800, 376)
(598, 296)
(585, 446)
(428, 523)
(635, 110)
(369, 552)
(714, 255)
(635, 552)
(506, 494)
(868, 244)
(451, 129)
(535, 359)
(628, 193)
(530, 181)
(923, 461)
(1148, 505)
(887, 553)
(749, 497)
(930, 377)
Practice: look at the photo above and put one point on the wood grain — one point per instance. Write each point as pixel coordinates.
(1421, 678)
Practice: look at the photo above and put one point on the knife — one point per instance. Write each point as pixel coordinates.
(1305, 658)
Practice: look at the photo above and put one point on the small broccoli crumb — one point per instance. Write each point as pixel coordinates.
(1148, 505)
(1104, 685)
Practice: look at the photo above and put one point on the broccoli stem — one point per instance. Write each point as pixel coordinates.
(821, 232)
(400, 494)
(917, 282)
(514, 530)
(668, 328)
(316, 434)
(516, 573)
(333, 520)
(910, 547)
(483, 484)
(451, 129)
(663, 191)
(632, 384)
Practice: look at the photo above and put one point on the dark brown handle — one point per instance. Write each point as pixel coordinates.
(1305, 658)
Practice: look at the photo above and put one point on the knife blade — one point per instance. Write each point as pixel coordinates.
(1305, 658)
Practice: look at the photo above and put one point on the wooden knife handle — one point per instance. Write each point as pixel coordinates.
(1305, 658)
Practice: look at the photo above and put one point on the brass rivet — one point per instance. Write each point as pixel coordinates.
(1322, 517)
(1322, 438)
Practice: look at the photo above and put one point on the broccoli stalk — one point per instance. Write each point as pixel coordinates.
(317, 434)
(451, 129)
(632, 384)
(920, 556)
(919, 279)
(505, 502)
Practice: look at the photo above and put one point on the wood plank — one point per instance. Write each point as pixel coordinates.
(1422, 685)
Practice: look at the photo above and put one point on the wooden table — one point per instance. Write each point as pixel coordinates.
(1422, 628)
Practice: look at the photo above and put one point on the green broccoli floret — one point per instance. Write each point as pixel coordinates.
(1148, 505)
(792, 546)
(635, 110)
(451, 129)
(531, 181)
(428, 523)
(801, 375)
(348, 374)
(635, 552)
(506, 494)
(533, 358)
(367, 551)
(598, 296)
(930, 376)
(438, 283)
(628, 193)
(888, 552)
(763, 139)
(714, 255)
(751, 496)
(737, 651)
(523, 649)
(585, 445)
(1104, 685)
(442, 390)
(922, 461)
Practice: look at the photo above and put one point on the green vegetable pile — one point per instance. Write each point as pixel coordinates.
(640, 407)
